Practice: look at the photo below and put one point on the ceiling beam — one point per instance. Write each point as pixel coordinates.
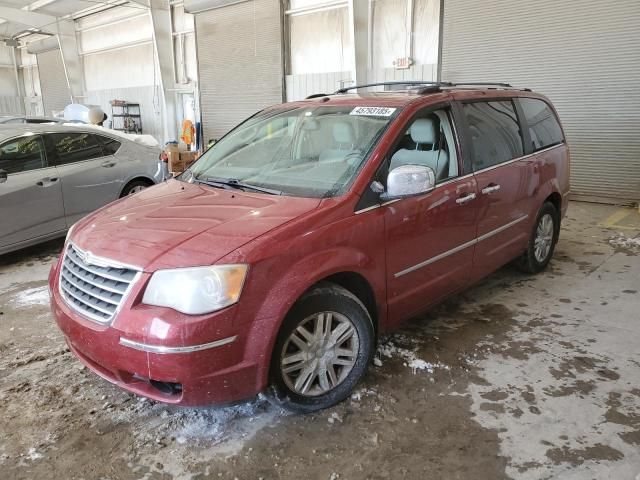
(26, 18)
(144, 3)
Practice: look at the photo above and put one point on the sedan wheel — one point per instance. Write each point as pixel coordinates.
(136, 189)
(319, 354)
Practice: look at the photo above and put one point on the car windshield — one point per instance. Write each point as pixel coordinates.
(308, 152)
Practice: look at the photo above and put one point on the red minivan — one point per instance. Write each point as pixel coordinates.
(279, 257)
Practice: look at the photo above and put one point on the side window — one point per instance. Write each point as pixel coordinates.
(109, 145)
(22, 154)
(429, 141)
(65, 148)
(495, 132)
(544, 127)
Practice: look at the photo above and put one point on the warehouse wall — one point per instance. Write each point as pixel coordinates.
(10, 101)
(321, 52)
(584, 55)
(116, 47)
(30, 77)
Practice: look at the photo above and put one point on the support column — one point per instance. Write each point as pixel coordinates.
(71, 60)
(19, 80)
(163, 42)
(359, 31)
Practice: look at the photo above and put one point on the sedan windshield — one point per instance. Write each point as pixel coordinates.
(308, 152)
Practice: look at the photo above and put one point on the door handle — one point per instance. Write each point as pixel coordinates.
(492, 187)
(467, 198)
(46, 182)
(109, 164)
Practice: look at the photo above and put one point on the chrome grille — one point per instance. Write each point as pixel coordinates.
(94, 287)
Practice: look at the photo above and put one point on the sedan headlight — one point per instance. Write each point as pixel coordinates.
(196, 290)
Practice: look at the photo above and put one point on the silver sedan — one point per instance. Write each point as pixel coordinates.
(53, 175)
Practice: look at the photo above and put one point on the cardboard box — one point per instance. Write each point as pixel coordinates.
(187, 159)
(175, 162)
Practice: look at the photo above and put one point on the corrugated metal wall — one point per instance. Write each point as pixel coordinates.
(149, 98)
(300, 86)
(240, 62)
(53, 82)
(583, 54)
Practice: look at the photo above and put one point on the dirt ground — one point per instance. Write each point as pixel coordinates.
(519, 377)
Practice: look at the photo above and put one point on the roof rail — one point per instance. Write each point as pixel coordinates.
(384, 84)
(421, 86)
(316, 95)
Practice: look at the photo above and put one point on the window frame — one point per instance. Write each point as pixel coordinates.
(370, 199)
(103, 139)
(55, 159)
(529, 150)
(45, 158)
(524, 134)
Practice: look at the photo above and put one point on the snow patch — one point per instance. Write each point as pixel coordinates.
(411, 360)
(31, 297)
(622, 241)
(33, 455)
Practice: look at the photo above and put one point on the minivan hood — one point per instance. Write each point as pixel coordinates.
(177, 224)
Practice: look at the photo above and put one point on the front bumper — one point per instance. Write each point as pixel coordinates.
(142, 351)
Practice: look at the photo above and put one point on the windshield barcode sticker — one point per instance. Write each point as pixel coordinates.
(374, 111)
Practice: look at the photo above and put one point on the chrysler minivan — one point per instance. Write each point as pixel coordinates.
(277, 259)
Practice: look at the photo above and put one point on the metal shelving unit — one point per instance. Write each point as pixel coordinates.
(125, 117)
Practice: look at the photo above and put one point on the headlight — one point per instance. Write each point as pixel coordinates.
(196, 290)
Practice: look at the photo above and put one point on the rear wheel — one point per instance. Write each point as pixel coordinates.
(323, 350)
(134, 186)
(542, 241)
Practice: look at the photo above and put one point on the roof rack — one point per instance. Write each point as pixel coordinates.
(429, 86)
(384, 84)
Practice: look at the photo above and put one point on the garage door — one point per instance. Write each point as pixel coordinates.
(53, 81)
(239, 62)
(583, 54)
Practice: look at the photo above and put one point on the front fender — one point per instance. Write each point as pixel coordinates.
(289, 275)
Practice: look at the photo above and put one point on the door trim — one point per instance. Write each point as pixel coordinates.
(460, 247)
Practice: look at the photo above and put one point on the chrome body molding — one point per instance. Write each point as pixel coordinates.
(459, 248)
(161, 349)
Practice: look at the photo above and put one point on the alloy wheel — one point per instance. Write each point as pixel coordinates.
(136, 189)
(544, 238)
(319, 354)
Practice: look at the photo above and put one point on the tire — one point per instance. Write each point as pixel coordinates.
(134, 186)
(331, 370)
(542, 243)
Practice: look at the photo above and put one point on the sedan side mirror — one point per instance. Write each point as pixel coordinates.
(3, 176)
(408, 181)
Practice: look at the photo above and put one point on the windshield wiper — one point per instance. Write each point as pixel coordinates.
(234, 183)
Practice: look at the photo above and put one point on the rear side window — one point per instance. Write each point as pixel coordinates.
(22, 154)
(65, 148)
(495, 132)
(544, 127)
(109, 145)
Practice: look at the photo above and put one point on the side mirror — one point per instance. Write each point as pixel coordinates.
(408, 181)
(3, 176)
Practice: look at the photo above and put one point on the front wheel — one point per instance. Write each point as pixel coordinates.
(323, 349)
(133, 187)
(542, 241)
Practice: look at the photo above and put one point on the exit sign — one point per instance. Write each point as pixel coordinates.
(402, 63)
